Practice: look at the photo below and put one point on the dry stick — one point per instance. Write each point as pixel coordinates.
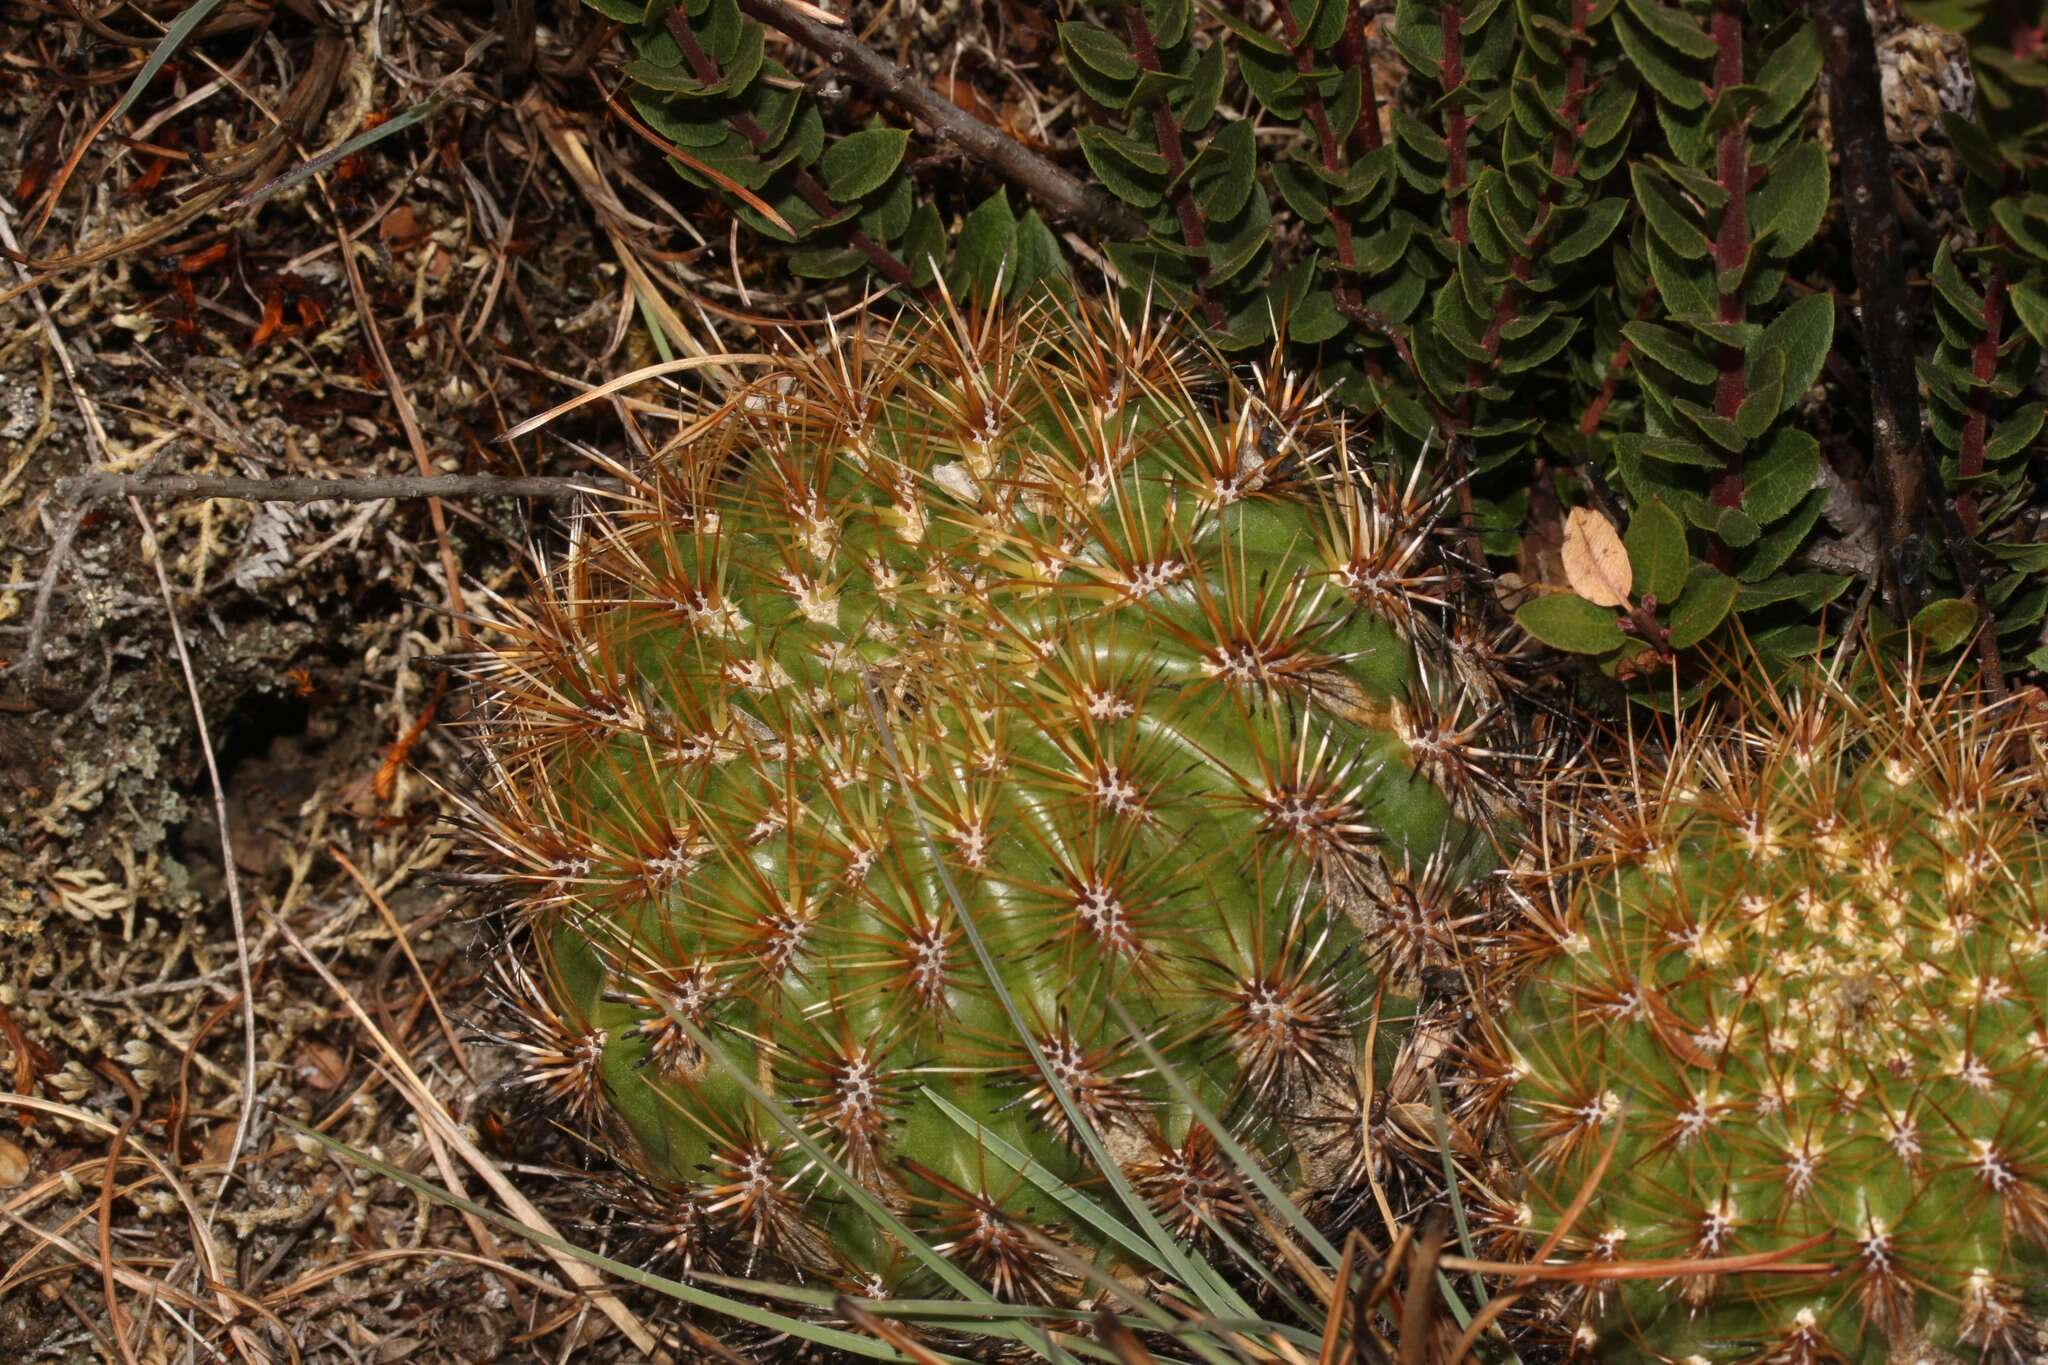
(1909, 482)
(91, 487)
(1048, 184)
(1856, 109)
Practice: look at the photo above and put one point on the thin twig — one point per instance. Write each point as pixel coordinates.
(46, 589)
(85, 488)
(154, 554)
(1026, 169)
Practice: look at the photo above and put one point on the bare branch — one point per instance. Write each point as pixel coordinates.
(80, 488)
(1909, 482)
(1856, 109)
(1039, 178)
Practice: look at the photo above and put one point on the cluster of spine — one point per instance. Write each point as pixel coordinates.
(1786, 1048)
(939, 704)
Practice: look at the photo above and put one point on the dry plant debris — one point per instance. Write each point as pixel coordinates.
(202, 300)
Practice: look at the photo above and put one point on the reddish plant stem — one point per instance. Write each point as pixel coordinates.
(1731, 251)
(1589, 421)
(1983, 368)
(1731, 243)
(1457, 124)
(1353, 54)
(1563, 162)
(1326, 134)
(706, 70)
(1194, 225)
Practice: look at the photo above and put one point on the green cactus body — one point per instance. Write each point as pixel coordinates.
(1000, 619)
(1796, 1005)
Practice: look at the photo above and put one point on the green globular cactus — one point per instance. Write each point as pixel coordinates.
(1017, 628)
(1793, 1013)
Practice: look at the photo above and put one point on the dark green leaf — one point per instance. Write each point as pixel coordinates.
(1132, 173)
(1316, 319)
(2030, 304)
(1665, 74)
(1946, 624)
(1527, 352)
(1610, 109)
(2011, 215)
(855, 165)
(1771, 551)
(1779, 479)
(1101, 52)
(1735, 527)
(1811, 590)
(1273, 82)
(1788, 73)
(1793, 201)
(924, 245)
(826, 263)
(1595, 224)
(1803, 333)
(1570, 623)
(1657, 552)
(1169, 20)
(1196, 102)
(1226, 170)
(1686, 287)
(1038, 257)
(982, 254)
(1670, 449)
(1672, 28)
(2014, 434)
(1708, 597)
(1979, 153)
(1671, 350)
(1668, 216)
(1949, 283)
(1722, 431)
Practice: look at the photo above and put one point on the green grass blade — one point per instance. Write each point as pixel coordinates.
(1246, 1165)
(173, 39)
(1168, 1251)
(1076, 1203)
(1442, 1125)
(1243, 1253)
(313, 165)
(871, 1206)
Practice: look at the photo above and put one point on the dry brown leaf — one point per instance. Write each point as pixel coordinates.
(1595, 562)
(320, 1066)
(13, 1164)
